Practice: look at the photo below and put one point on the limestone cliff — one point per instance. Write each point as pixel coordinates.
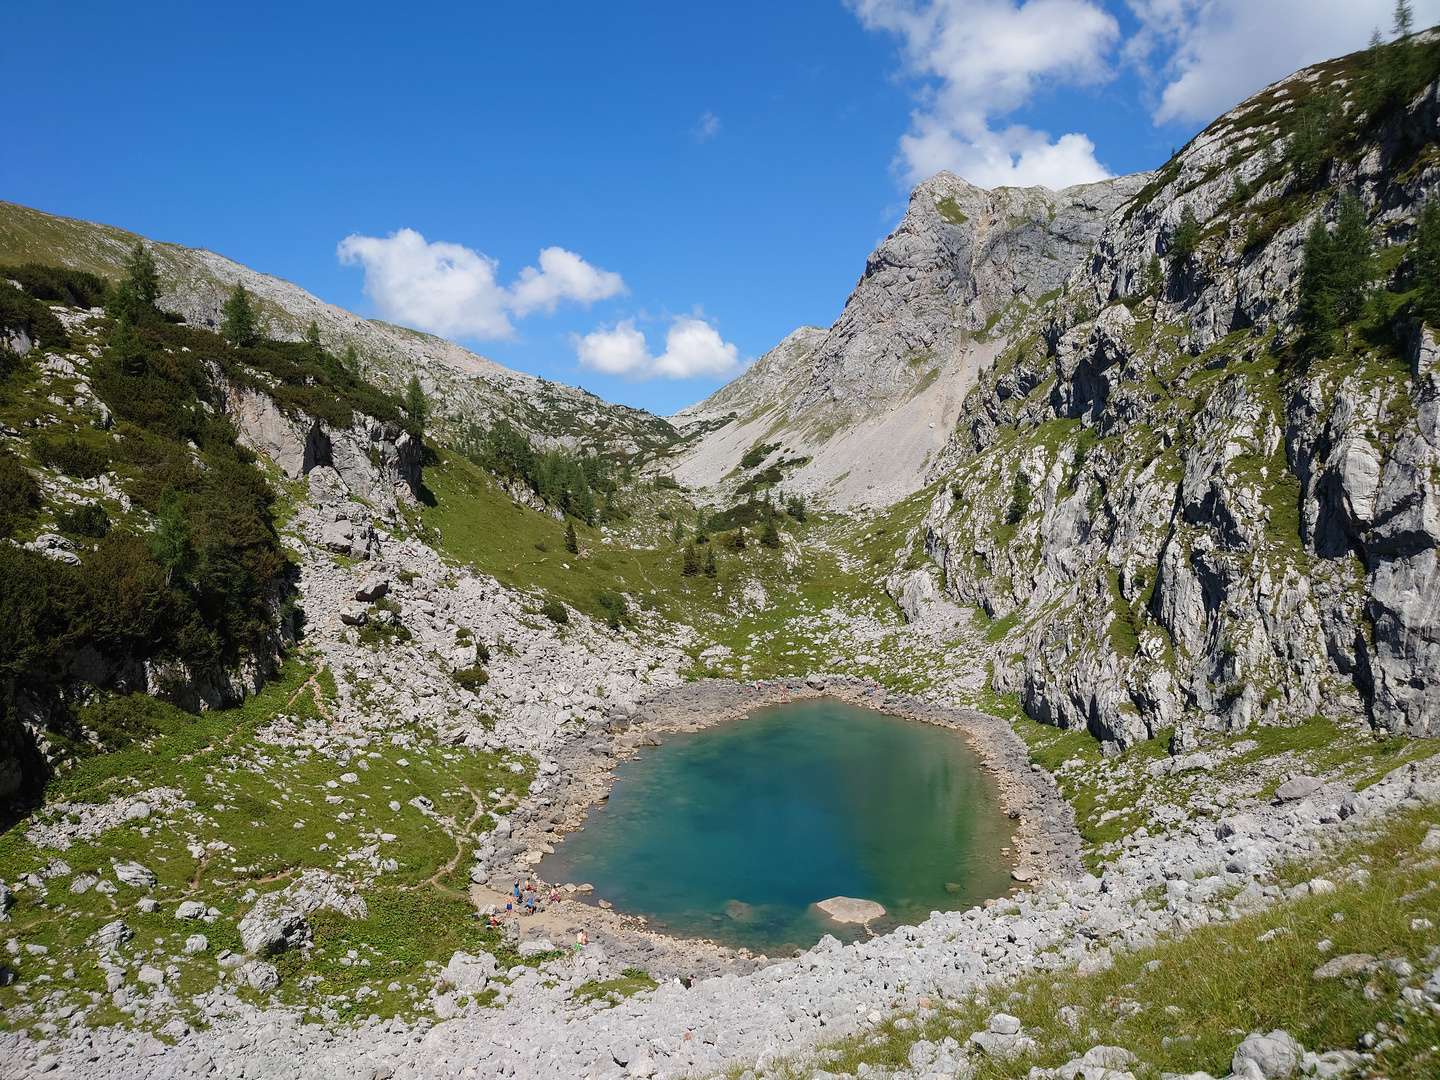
(1179, 518)
(870, 404)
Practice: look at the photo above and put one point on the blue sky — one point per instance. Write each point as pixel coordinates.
(703, 177)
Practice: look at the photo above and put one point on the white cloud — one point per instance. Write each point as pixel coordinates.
(693, 349)
(1212, 54)
(450, 290)
(563, 275)
(708, 127)
(989, 57)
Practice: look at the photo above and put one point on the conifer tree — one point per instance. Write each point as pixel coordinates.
(238, 325)
(1187, 234)
(312, 337)
(1336, 270)
(690, 563)
(141, 276)
(1425, 257)
(572, 544)
(1154, 278)
(419, 408)
(125, 348)
(710, 567)
(169, 542)
(771, 536)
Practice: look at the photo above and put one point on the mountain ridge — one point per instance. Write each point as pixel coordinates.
(465, 387)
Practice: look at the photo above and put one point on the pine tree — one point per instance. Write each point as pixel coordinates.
(312, 337)
(1404, 19)
(1334, 276)
(690, 564)
(1353, 255)
(771, 536)
(710, 567)
(1154, 278)
(1187, 235)
(352, 360)
(1425, 257)
(141, 276)
(169, 542)
(1316, 307)
(238, 325)
(572, 545)
(419, 410)
(125, 348)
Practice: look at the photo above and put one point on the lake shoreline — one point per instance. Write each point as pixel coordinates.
(1046, 845)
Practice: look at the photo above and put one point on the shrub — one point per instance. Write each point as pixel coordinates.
(757, 453)
(57, 284)
(614, 606)
(472, 678)
(88, 520)
(71, 456)
(1020, 496)
(555, 612)
(19, 493)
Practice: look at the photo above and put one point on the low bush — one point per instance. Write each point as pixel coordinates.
(471, 678)
(19, 493)
(555, 612)
(71, 455)
(88, 520)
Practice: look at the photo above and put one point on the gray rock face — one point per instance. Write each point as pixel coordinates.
(266, 931)
(872, 401)
(376, 461)
(1182, 531)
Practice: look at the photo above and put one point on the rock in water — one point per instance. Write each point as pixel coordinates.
(846, 909)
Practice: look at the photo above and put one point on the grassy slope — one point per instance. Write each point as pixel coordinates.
(275, 820)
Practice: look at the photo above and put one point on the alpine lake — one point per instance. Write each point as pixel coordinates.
(736, 832)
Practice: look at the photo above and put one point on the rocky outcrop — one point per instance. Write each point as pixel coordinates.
(1183, 520)
(870, 403)
(377, 462)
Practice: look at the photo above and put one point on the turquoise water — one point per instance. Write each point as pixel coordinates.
(735, 832)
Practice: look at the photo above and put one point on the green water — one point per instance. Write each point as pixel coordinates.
(735, 832)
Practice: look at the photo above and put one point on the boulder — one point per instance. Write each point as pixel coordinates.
(372, 588)
(1302, 787)
(134, 875)
(535, 948)
(112, 935)
(196, 943)
(190, 909)
(258, 975)
(1267, 1057)
(1349, 964)
(265, 931)
(469, 974)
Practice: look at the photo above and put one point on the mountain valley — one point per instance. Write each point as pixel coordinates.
(318, 632)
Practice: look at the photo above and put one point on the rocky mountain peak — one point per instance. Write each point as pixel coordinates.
(869, 404)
